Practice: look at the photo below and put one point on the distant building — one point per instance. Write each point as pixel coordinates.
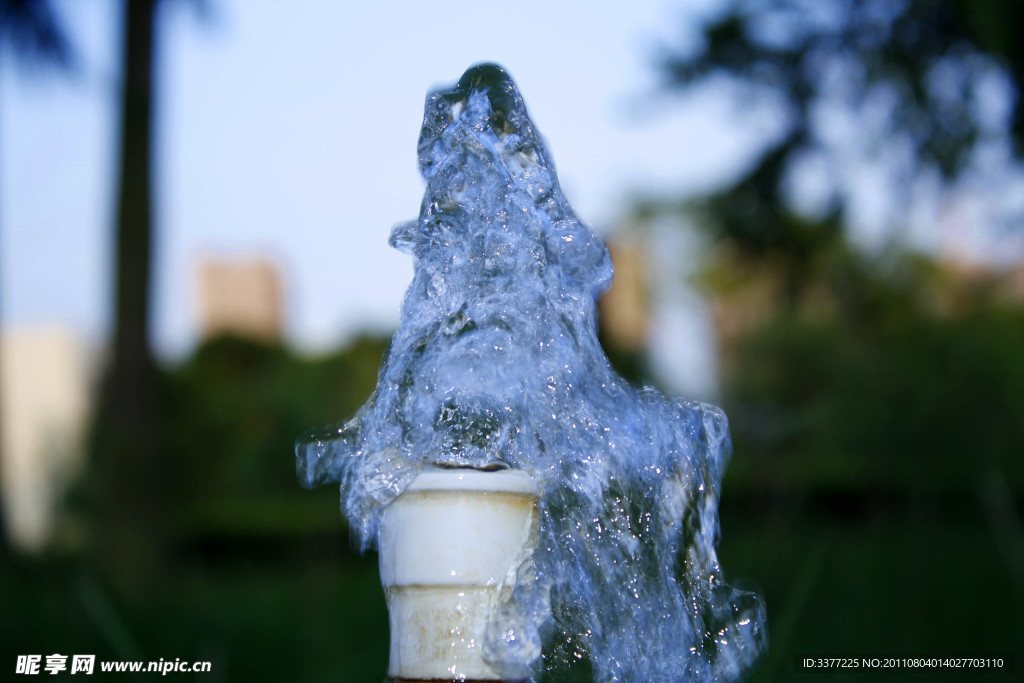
(624, 308)
(965, 277)
(240, 297)
(44, 394)
(654, 322)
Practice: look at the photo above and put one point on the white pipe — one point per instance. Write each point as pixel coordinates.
(449, 548)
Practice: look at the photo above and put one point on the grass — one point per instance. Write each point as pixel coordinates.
(283, 606)
(902, 584)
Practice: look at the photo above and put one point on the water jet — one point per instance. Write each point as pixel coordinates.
(495, 375)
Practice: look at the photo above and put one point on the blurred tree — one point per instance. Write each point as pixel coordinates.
(920, 88)
(126, 452)
(131, 362)
(901, 380)
(35, 33)
(125, 424)
(230, 415)
(839, 367)
(237, 406)
(871, 393)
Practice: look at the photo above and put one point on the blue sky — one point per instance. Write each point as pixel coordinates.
(290, 129)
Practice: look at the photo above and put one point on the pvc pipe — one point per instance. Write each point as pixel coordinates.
(449, 546)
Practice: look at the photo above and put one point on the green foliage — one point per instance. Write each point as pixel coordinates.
(907, 377)
(875, 400)
(794, 47)
(254, 573)
(282, 619)
(237, 406)
(852, 370)
(931, 66)
(35, 33)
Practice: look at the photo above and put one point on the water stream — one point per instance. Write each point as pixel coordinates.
(496, 364)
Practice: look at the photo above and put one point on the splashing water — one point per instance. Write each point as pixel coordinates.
(496, 364)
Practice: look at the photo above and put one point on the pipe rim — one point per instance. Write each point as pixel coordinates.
(497, 481)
